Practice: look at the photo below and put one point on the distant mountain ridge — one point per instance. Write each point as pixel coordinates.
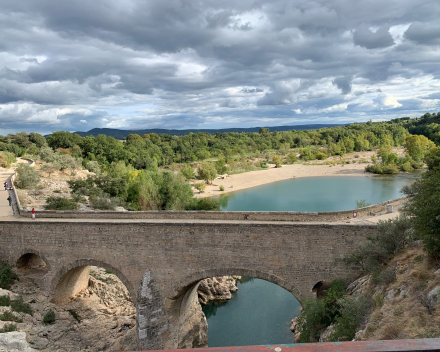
(119, 134)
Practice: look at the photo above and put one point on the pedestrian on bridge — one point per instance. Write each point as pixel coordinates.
(6, 186)
(33, 213)
(10, 200)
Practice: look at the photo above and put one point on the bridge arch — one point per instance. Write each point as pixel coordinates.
(181, 287)
(73, 277)
(31, 258)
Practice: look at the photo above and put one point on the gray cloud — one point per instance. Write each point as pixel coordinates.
(343, 83)
(179, 64)
(364, 37)
(423, 33)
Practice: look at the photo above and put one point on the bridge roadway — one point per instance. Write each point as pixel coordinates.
(161, 261)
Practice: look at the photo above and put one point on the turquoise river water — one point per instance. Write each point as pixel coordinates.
(260, 312)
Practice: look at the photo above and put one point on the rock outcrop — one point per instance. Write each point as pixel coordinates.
(100, 318)
(217, 288)
(14, 342)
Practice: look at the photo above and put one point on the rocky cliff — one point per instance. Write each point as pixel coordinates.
(100, 318)
(406, 307)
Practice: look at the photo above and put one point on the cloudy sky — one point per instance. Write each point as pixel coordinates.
(76, 65)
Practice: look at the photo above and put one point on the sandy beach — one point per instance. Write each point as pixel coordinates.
(250, 179)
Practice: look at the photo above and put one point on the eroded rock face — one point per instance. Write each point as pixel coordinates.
(105, 312)
(14, 342)
(217, 288)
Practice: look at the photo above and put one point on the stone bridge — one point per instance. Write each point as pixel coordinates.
(161, 262)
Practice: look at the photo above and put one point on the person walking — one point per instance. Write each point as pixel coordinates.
(6, 186)
(10, 200)
(33, 214)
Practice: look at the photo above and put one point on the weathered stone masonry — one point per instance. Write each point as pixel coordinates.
(160, 262)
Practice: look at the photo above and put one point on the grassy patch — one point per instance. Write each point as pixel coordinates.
(19, 306)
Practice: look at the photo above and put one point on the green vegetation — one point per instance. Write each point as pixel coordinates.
(346, 313)
(200, 186)
(373, 255)
(27, 177)
(19, 306)
(5, 301)
(423, 208)
(49, 317)
(132, 172)
(9, 328)
(7, 276)
(222, 188)
(6, 159)
(417, 147)
(60, 203)
(362, 203)
(9, 316)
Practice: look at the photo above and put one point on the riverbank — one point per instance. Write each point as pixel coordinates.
(352, 164)
(250, 179)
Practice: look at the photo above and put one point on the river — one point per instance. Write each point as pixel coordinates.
(260, 312)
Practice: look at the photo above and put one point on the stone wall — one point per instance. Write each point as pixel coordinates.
(160, 261)
(220, 215)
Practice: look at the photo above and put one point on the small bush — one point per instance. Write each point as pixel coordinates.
(60, 203)
(362, 203)
(390, 169)
(374, 169)
(201, 186)
(19, 306)
(9, 316)
(291, 158)
(222, 188)
(406, 167)
(9, 328)
(103, 202)
(6, 275)
(5, 301)
(27, 177)
(49, 317)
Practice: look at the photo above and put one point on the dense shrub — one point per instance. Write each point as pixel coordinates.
(9, 328)
(373, 255)
(49, 317)
(204, 204)
(5, 301)
(60, 203)
(188, 171)
(9, 316)
(6, 159)
(291, 158)
(104, 203)
(346, 313)
(7, 277)
(222, 188)
(27, 177)
(200, 186)
(19, 306)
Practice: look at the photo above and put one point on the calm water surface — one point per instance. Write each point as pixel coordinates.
(317, 193)
(260, 312)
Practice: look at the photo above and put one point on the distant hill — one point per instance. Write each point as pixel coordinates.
(119, 134)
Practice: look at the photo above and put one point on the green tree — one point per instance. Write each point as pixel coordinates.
(188, 171)
(291, 158)
(424, 209)
(206, 171)
(50, 168)
(220, 165)
(417, 146)
(276, 160)
(200, 186)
